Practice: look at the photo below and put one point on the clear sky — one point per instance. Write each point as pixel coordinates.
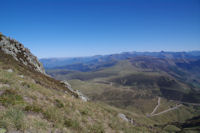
(64, 28)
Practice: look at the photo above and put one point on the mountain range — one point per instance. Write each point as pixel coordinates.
(66, 62)
(134, 81)
(174, 75)
(121, 93)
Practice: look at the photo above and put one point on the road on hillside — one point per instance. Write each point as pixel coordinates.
(165, 111)
(155, 109)
(187, 103)
(170, 109)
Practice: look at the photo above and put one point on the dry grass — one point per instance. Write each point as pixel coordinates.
(37, 103)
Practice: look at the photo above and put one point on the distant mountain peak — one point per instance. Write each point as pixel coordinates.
(20, 53)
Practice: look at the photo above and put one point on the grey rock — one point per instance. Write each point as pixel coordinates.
(75, 92)
(67, 85)
(123, 117)
(9, 70)
(20, 53)
(21, 76)
(81, 96)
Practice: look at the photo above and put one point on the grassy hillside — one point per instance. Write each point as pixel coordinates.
(135, 85)
(33, 102)
(152, 76)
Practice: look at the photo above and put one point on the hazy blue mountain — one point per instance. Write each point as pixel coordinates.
(96, 62)
(175, 74)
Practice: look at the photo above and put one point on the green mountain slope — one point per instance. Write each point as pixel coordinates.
(135, 85)
(31, 101)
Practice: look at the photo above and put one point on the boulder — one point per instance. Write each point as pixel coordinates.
(123, 117)
(76, 93)
(9, 70)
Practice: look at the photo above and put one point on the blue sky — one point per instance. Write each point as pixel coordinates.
(64, 28)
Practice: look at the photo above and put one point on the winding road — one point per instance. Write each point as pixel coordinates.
(155, 109)
(187, 103)
(165, 111)
(170, 109)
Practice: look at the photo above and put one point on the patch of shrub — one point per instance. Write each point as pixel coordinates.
(13, 118)
(171, 128)
(4, 81)
(33, 108)
(12, 41)
(84, 112)
(1, 36)
(26, 85)
(59, 104)
(10, 97)
(53, 114)
(72, 124)
(96, 128)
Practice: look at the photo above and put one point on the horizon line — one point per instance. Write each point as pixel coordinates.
(181, 51)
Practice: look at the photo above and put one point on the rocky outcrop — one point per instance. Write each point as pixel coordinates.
(125, 118)
(76, 93)
(20, 53)
(24, 56)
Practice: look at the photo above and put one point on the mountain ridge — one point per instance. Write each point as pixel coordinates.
(61, 62)
(20, 53)
(23, 55)
(31, 101)
(174, 76)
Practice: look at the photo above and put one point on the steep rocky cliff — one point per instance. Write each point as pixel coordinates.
(24, 56)
(20, 53)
